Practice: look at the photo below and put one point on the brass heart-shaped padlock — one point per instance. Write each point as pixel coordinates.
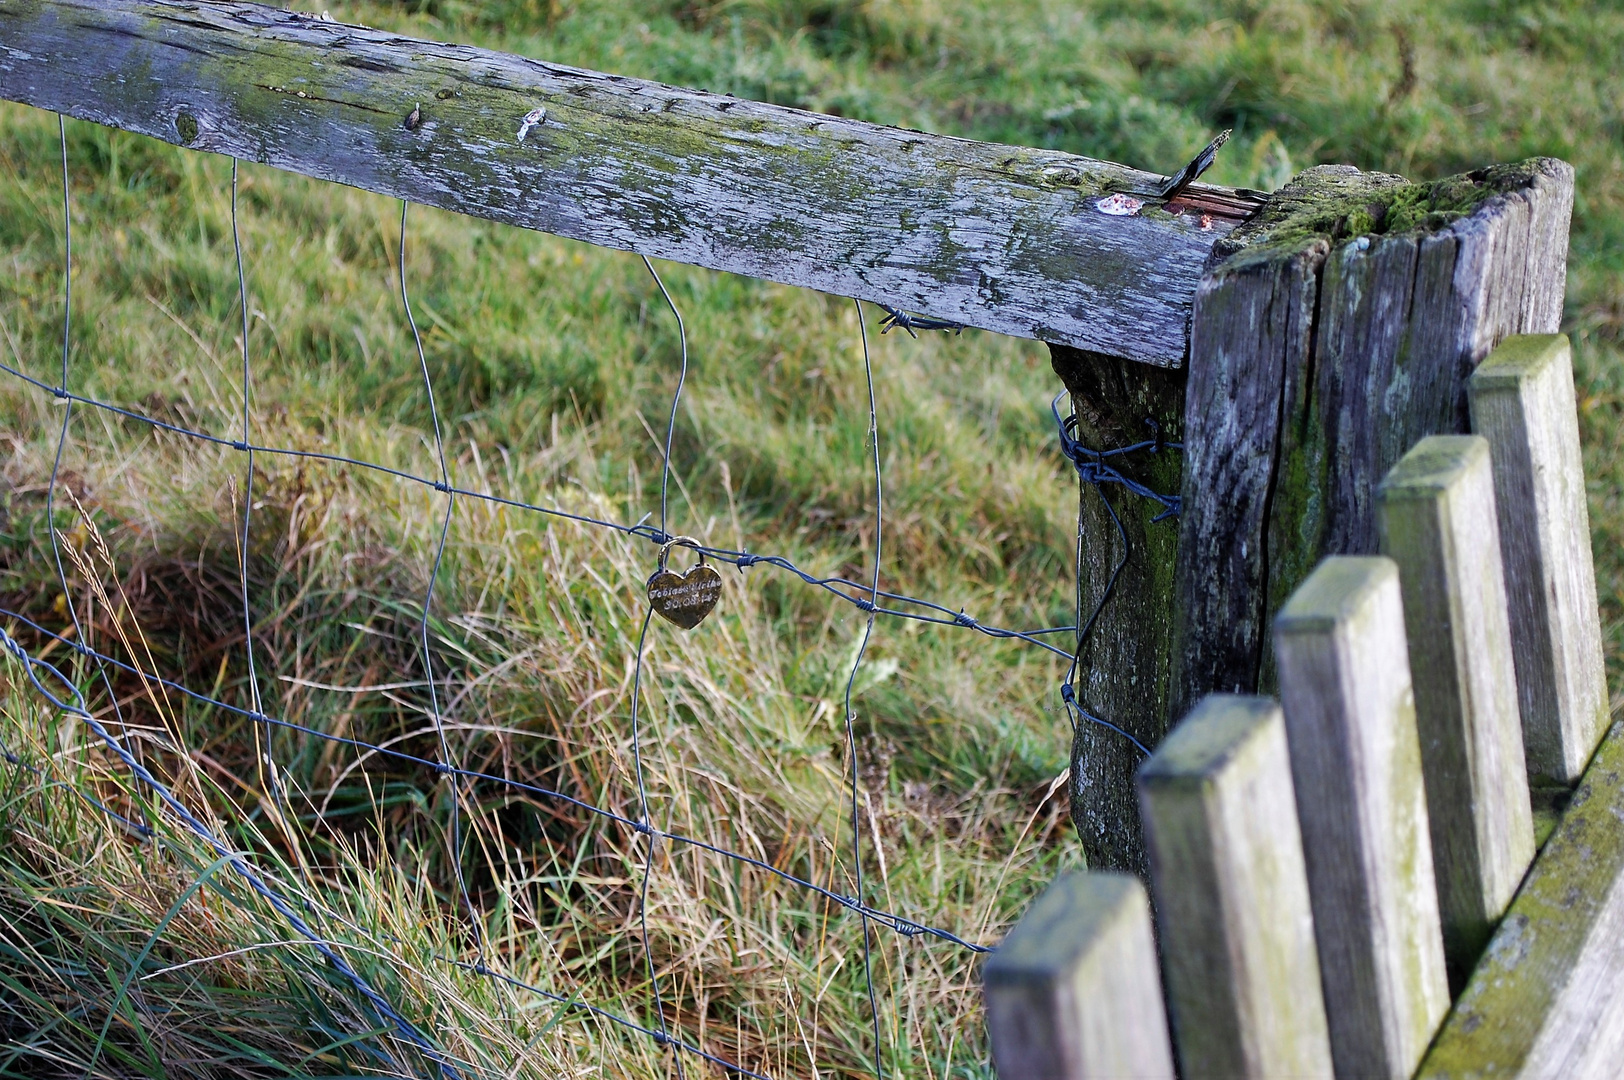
(684, 599)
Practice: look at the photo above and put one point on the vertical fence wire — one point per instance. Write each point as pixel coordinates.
(676, 397)
(79, 707)
(645, 826)
(851, 681)
(264, 731)
(64, 395)
(646, 823)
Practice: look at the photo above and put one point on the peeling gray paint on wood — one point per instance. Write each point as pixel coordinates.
(998, 237)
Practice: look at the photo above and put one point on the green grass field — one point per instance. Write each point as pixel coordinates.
(553, 365)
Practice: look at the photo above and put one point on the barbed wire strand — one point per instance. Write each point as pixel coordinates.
(454, 832)
(929, 612)
(895, 317)
(17, 651)
(836, 586)
(851, 681)
(741, 559)
(137, 769)
(143, 831)
(1094, 470)
(892, 921)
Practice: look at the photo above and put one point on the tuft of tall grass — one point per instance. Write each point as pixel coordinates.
(741, 749)
(533, 629)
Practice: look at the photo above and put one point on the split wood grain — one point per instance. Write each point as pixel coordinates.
(1438, 523)
(1522, 401)
(1546, 1000)
(1073, 992)
(1252, 338)
(1356, 768)
(1004, 238)
(1316, 362)
(1243, 983)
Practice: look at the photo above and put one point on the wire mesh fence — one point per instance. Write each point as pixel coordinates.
(103, 687)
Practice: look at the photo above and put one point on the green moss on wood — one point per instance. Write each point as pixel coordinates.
(1337, 203)
(1515, 993)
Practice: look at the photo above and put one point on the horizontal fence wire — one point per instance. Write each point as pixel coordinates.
(1093, 468)
(929, 611)
(905, 927)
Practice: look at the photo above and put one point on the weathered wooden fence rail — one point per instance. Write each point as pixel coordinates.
(1322, 867)
(1004, 238)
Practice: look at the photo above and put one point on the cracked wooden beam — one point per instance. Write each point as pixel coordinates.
(1032, 243)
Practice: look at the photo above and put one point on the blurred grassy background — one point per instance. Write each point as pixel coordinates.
(554, 363)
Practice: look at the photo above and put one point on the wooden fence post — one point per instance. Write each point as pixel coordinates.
(1437, 516)
(1356, 766)
(1332, 331)
(1336, 329)
(1126, 661)
(1522, 401)
(1243, 983)
(1073, 992)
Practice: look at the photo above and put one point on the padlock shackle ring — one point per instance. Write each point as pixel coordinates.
(680, 541)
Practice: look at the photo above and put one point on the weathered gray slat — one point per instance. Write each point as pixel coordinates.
(998, 237)
(1243, 985)
(1522, 401)
(1438, 524)
(1546, 1001)
(1356, 767)
(1073, 992)
(1420, 282)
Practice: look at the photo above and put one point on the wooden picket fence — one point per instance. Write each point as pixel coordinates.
(1327, 868)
